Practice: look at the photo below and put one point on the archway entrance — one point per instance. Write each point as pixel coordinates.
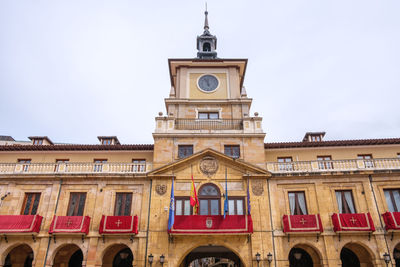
(118, 255)
(20, 256)
(298, 257)
(211, 256)
(396, 255)
(69, 256)
(354, 255)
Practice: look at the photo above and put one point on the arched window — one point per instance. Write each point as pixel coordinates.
(206, 47)
(210, 200)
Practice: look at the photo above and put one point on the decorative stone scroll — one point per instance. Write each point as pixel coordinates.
(257, 187)
(161, 189)
(209, 165)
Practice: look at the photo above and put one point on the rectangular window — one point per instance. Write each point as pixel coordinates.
(31, 204)
(297, 203)
(232, 151)
(345, 201)
(98, 165)
(76, 204)
(37, 142)
(185, 151)
(25, 164)
(123, 203)
(182, 206)
(236, 205)
(393, 199)
(209, 115)
(61, 161)
(368, 161)
(284, 163)
(139, 165)
(325, 162)
(106, 141)
(315, 138)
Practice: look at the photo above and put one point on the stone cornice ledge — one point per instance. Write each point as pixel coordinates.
(204, 135)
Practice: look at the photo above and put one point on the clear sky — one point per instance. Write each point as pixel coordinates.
(74, 70)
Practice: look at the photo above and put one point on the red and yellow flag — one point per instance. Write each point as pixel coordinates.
(194, 201)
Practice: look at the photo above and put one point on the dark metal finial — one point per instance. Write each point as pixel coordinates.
(206, 27)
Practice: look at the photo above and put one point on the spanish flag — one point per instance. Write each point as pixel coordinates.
(194, 201)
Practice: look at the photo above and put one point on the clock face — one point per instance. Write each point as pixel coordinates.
(208, 83)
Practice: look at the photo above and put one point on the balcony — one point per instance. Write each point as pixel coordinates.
(198, 124)
(73, 168)
(333, 165)
(212, 224)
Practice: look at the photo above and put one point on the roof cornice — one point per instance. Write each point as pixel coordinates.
(336, 143)
(146, 147)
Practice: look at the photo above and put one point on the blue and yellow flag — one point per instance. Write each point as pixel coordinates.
(171, 208)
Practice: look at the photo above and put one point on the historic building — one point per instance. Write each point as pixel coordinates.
(306, 203)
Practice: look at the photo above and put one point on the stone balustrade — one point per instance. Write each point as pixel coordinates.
(73, 168)
(333, 165)
(273, 167)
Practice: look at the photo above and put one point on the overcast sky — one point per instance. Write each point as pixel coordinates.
(74, 70)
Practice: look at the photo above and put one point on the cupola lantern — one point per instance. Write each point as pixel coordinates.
(206, 43)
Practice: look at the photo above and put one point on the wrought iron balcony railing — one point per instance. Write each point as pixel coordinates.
(199, 124)
(334, 165)
(72, 168)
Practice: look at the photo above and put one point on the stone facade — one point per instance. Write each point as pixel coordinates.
(363, 167)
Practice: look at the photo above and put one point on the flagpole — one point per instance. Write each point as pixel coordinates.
(226, 209)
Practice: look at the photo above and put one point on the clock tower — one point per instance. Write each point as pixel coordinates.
(208, 107)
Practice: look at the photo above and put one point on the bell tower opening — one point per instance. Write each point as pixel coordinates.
(206, 47)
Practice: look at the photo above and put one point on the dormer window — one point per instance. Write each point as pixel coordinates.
(108, 140)
(40, 140)
(37, 142)
(313, 137)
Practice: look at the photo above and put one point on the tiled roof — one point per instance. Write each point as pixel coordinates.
(361, 142)
(75, 147)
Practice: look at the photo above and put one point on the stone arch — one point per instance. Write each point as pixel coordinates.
(206, 47)
(396, 255)
(363, 253)
(109, 257)
(65, 253)
(18, 255)
(308, 250)
(181, 260)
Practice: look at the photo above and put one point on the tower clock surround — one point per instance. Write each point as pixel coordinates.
(208, 83)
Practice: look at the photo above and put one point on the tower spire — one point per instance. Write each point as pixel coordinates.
(206, 27)
(206, 43)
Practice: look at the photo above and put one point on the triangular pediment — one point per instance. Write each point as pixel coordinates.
(209, 163)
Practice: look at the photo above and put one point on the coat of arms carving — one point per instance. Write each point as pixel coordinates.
(161, 189)
(209, 166)
(209, 222)
(257, 187)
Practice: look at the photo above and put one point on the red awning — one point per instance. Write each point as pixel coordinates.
(20, 223)
(70, 225)
(216, 224)
(118, 225)
(302, 224)
(392, 220)
(345, 222)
